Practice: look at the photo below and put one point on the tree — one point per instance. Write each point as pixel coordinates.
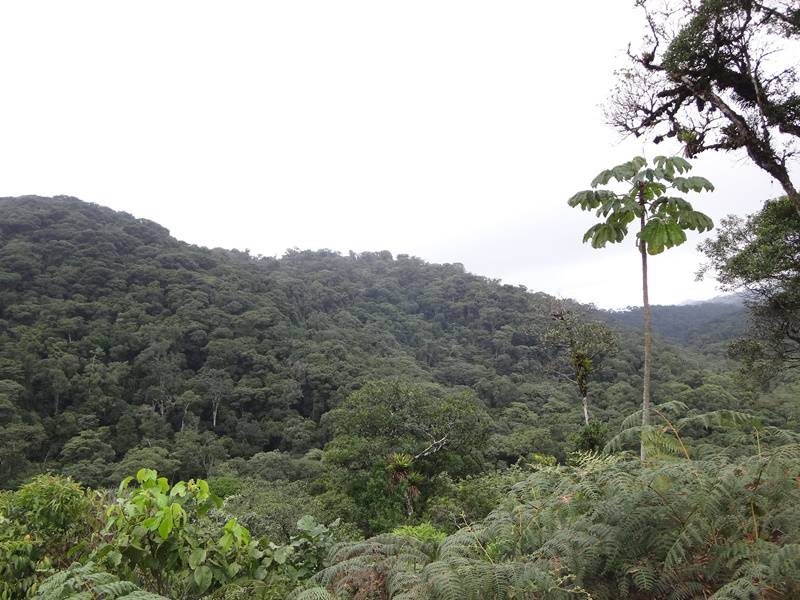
(391, 436)
(710, 74)
(149, 457)
(586, 344)
(395, 416)
(88, 457)
(198, 452)
(216, 386)
(663, 221)
(760, 254)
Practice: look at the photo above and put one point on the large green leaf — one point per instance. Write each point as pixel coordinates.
(202, 578)
(165, 526)
(197, 557)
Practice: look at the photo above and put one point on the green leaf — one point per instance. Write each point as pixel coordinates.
(124, 485)
(165, 527)
(306, 523)
(602, 178)
(179, 489)
(590, 233)
(146, 477)
(197, 557)
(281, 554)
(226, 541)
(202, 578)
(114, 558)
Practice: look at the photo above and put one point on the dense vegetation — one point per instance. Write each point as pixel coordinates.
(386, 394)
(119, 343)
(182, 422)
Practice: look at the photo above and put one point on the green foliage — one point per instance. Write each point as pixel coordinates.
(667, 436)
(400, 418)
(665, 218)
(157, 535)
(606, 528)
(591, 437)
(223, 487)
(161, 536)
(244, 354)
(397, 395)
(42, 525)
(761, 254)
(456, 503)
(585, 344)
(392, 436)
(424, 532)
(129, 329)
(49, 505)
(272, 510)
(86, 582)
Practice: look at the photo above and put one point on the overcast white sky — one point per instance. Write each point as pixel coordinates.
(454, 131)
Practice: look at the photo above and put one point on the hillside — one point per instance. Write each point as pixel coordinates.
(703, 325)
(115, 337)
(376, 393)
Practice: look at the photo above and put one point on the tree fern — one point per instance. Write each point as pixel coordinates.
(86, 582)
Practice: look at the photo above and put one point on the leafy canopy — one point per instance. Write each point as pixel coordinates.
(666, 218)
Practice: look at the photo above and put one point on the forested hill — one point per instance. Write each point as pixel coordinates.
(704, 325)
(115, 337)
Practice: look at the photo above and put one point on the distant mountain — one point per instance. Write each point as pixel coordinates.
(702, 325)
(736, 299)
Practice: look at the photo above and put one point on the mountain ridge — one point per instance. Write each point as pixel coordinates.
(111, 326)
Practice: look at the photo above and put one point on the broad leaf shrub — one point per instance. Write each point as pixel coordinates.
(159, 536)
(59, 540)
(44, 525)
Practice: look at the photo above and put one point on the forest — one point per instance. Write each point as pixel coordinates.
(185, 422)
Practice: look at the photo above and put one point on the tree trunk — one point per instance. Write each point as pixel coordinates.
(648, 332)
(214, 408)
(759, 150)
(586, 409)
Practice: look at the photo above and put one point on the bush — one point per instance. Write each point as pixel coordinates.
(42, 525)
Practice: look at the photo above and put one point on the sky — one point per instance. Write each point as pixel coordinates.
(450, 130)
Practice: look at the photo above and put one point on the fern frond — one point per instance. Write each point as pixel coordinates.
(87, 582)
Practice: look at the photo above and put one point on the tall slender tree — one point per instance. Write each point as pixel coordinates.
(663, 221)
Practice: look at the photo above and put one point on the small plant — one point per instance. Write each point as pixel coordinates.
(155, 532)
(591, 437)
(424, 532)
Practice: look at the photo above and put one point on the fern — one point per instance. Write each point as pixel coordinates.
(86, 582)
(315, 593)
(608, 528)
